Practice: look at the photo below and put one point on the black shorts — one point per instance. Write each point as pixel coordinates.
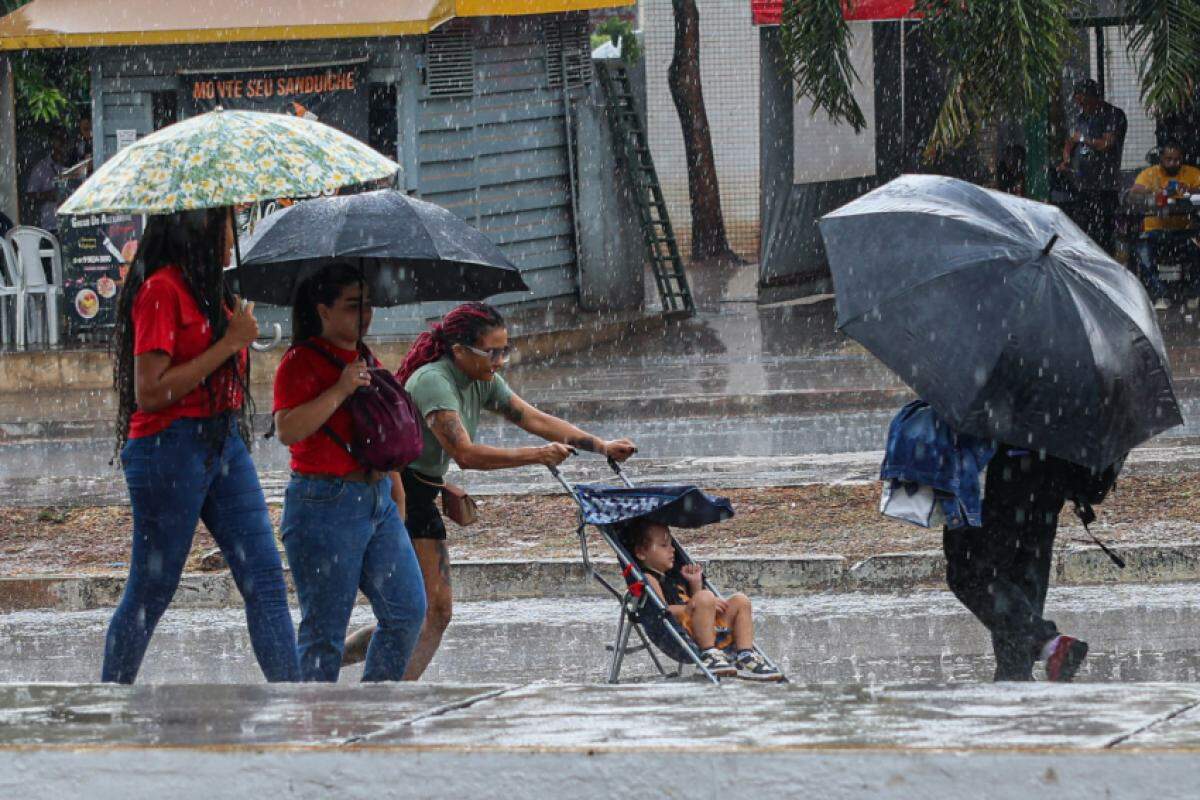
(421, 515)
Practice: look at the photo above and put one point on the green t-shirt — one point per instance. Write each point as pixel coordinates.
(441, 386)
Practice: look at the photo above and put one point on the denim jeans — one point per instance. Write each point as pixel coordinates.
(1148, 246)
(1147, 270)
(175, 479)
(343, 536)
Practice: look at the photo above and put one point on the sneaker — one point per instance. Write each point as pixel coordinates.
(753, 667)
(1161, 304)
(1066, 659)
(717, 663)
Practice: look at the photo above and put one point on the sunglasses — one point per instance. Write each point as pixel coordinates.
(500, 354)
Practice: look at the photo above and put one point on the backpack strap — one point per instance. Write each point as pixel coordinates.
(328, 431)
(1087, 515)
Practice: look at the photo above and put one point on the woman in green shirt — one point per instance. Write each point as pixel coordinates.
(452, 374)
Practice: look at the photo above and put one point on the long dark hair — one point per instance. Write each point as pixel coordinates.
(323, 287)
(193, 241)
(463, 325)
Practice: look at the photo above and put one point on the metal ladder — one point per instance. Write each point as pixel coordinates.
(634, 146)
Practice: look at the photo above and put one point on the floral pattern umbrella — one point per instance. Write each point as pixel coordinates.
(224, 158)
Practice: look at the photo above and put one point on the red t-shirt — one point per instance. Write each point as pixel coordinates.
(167, 319)
(301, 377)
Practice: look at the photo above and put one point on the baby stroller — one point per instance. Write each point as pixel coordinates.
(608, 508)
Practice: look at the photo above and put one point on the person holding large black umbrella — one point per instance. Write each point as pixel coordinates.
(1016, 327)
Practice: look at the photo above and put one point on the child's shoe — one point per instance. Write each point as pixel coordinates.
(752, 667)
(1065, 658)
(717, 663)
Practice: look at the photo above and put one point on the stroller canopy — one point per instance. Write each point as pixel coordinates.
(675, 506)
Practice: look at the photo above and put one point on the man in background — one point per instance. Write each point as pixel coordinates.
(1092, 157)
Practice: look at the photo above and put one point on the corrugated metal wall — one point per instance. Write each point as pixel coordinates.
(493, 153)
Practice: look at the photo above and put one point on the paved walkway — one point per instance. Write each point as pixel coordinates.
(530, 740)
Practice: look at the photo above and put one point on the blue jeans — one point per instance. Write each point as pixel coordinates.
(176, 478)
(1147, 271)
(340, 537)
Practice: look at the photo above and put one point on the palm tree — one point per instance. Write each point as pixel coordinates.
(1002, 57)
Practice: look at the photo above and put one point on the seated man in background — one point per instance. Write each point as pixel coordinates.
(1168, 179)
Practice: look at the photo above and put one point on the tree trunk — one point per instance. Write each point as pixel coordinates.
(708, 223)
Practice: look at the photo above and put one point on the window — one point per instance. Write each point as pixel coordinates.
(568, 40)
(450, 61)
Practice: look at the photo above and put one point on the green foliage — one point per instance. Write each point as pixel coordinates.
(50, 84)
(620, 33)
(1165, 35)
(1003, 58)
(816, 42)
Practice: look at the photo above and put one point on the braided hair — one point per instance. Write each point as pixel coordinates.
(193, 241)
(464, 325)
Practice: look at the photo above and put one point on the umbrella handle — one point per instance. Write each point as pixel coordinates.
(276, 338)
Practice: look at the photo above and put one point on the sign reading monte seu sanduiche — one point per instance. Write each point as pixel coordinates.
(335, 94)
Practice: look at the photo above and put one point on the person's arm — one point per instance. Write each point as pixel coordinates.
(158, 385)
(447, 427)
(1103, 143)
(297, 424)
(677, 611)
(553, 429)
(397, 493)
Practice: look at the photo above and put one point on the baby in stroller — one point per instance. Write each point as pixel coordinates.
(722, 629)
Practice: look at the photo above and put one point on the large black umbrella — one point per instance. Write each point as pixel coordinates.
(409, 250)
(1002, 315)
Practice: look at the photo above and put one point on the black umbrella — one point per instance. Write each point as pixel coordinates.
(409, 250)
(1002, 315)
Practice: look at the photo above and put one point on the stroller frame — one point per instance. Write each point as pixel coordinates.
(631, 604)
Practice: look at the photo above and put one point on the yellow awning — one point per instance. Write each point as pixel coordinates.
(103, 23)
(46, 24)
(508, 8)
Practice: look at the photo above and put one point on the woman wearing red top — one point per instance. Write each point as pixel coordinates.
(341, 526)
(182, 427)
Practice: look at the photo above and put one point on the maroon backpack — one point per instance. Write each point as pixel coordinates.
(387, 424)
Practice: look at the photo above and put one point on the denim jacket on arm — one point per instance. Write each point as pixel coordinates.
(923, 449)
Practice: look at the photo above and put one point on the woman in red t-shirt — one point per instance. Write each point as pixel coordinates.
(182, 427)
(341, 526)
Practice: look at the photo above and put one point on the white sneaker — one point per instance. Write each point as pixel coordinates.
(716, 662)
(754, 668)
(1161, 304)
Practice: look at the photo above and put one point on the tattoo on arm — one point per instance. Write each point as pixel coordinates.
(444, 562)
(449, 428)
(589, 443)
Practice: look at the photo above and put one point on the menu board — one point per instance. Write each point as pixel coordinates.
(97, 251)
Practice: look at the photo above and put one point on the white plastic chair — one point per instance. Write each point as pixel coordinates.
(31, 246)
(9, 288)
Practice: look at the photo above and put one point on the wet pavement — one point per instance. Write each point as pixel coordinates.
(1137, 634)
(680, 715)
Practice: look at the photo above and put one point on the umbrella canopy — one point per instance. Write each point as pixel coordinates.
(224, 158)
(410, 250)
(675, 506)
(1002, 315)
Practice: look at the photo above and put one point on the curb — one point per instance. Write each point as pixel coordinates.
(508, 580)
